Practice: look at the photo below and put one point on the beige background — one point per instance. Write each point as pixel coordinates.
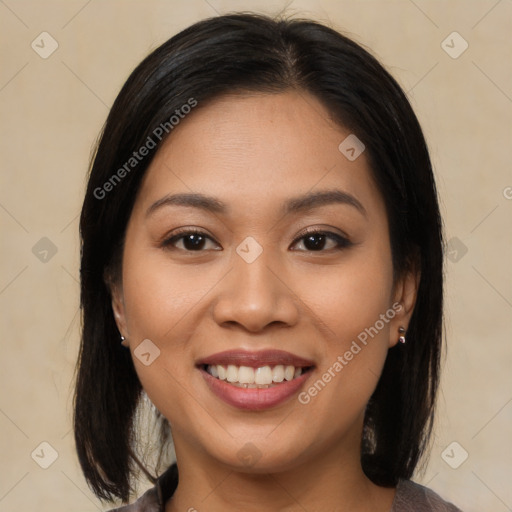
(51, 111)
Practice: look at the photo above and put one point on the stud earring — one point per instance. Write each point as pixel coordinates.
(401, 332)
(122, 339)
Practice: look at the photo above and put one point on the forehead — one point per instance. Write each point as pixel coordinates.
(254, 148)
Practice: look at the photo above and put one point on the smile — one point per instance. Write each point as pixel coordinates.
(255, 380)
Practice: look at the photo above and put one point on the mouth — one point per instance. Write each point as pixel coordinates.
(255, 380)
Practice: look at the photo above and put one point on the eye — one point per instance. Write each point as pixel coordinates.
(315, 241)
(192, 240)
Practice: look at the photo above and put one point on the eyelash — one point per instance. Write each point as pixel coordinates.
(342, 242)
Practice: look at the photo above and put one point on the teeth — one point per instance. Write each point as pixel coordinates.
(232, 373)
(289, 371)
(247, 377)
(263, 375)
(278, 373)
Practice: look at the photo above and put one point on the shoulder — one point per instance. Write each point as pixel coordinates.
(411, 496)
(148, 502)
(152, 499)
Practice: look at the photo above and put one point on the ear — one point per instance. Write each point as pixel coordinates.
(118, 308)
(405, 292)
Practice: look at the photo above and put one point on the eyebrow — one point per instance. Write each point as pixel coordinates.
(314, 200)
(298, 204)
(195, 200)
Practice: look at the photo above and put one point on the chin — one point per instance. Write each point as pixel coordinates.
(258, 454)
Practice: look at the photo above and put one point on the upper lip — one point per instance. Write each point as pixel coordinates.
(255, 359)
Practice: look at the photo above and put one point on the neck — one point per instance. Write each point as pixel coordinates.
(331, 481)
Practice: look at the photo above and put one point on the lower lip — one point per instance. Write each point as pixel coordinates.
(254, 399)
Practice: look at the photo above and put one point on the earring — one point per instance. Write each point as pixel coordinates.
(123, 346)
(401, 332)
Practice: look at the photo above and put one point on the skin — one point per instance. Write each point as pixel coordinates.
(254, 152)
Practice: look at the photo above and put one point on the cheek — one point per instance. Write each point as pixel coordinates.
(155, 313)
(159, 294)
(351, 299)
(353, 308)
(153, 306)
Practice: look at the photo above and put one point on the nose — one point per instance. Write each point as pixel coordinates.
(254, 295)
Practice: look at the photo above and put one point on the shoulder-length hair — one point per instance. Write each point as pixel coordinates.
(246, 52)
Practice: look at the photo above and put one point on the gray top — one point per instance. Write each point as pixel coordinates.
(409, 497)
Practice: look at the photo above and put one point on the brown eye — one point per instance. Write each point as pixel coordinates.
(191, 240)
(316, 241)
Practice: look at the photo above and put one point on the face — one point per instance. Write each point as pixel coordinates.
(257, 294)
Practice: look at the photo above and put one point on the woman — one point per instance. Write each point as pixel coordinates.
(261, 257)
